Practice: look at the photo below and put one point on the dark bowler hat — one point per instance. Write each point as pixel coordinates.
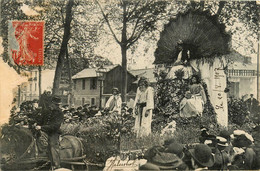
(93, 106)
(169, 141)
(79, 108)
(56, 100)
(175, 148)
(225, 134)
(35, 101)
(65, 111)
(86, 105)
(72, 109)
(202, 154)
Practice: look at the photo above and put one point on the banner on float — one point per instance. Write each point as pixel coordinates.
(219, 97)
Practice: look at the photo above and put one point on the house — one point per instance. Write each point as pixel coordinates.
(243, 79)
(30, 89)
(86, 89)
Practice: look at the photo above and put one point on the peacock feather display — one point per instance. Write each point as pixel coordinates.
(196, 33)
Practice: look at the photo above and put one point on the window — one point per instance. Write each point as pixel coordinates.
(35, 75)
(83, 101)
(35, 87)
(30, 87)
(83, 84)
(92, 101)
(93, 83)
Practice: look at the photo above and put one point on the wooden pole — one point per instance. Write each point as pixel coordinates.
(257, 74)
(100, 95)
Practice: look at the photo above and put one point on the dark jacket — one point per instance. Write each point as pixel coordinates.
(252, 105)
(52, 120)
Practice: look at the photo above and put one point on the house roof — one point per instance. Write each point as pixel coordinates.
(91, 72)
(242, 66)
(147, 73)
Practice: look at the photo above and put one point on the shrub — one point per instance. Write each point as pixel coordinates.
(237, 111)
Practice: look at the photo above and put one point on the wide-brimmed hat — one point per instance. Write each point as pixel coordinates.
(237, 133)
(56, 100)
(115, 89)
(221, 141)
(210, 140)
(202, 154)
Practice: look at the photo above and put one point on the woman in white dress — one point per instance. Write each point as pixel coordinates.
(143, 108)
(193, 103)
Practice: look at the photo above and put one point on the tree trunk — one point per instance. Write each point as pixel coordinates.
(70, 79)
(220, 7)
(40, 81)
(66, 37)
(257, 73)
(124, 58)
(124, 73)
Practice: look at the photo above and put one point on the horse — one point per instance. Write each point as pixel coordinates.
(20, 151)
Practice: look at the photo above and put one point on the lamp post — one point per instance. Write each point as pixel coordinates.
(101, 77)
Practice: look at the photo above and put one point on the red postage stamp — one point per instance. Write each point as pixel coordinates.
(25, 39)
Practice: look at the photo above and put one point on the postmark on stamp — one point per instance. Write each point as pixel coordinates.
(25, 42)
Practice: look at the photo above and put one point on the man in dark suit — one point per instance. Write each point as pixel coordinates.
(51, 122)
(252, 105)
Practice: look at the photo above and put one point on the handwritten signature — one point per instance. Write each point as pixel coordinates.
(112, 163)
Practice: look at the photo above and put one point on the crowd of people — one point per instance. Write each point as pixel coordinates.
(30, 112)
(236, 150)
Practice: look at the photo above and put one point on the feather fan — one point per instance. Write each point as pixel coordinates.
(195, 31)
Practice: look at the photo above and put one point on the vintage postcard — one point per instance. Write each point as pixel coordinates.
(129, 85)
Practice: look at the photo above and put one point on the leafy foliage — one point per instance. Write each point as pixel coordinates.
(101, 135)
(168, 95)
(81, 44)
(237, 111)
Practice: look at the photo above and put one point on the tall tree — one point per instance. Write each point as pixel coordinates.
(127, 22)
(65, 40)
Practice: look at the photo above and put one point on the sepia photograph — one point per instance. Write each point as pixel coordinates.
(132, 85)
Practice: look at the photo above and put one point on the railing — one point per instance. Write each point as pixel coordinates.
(242, 73)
